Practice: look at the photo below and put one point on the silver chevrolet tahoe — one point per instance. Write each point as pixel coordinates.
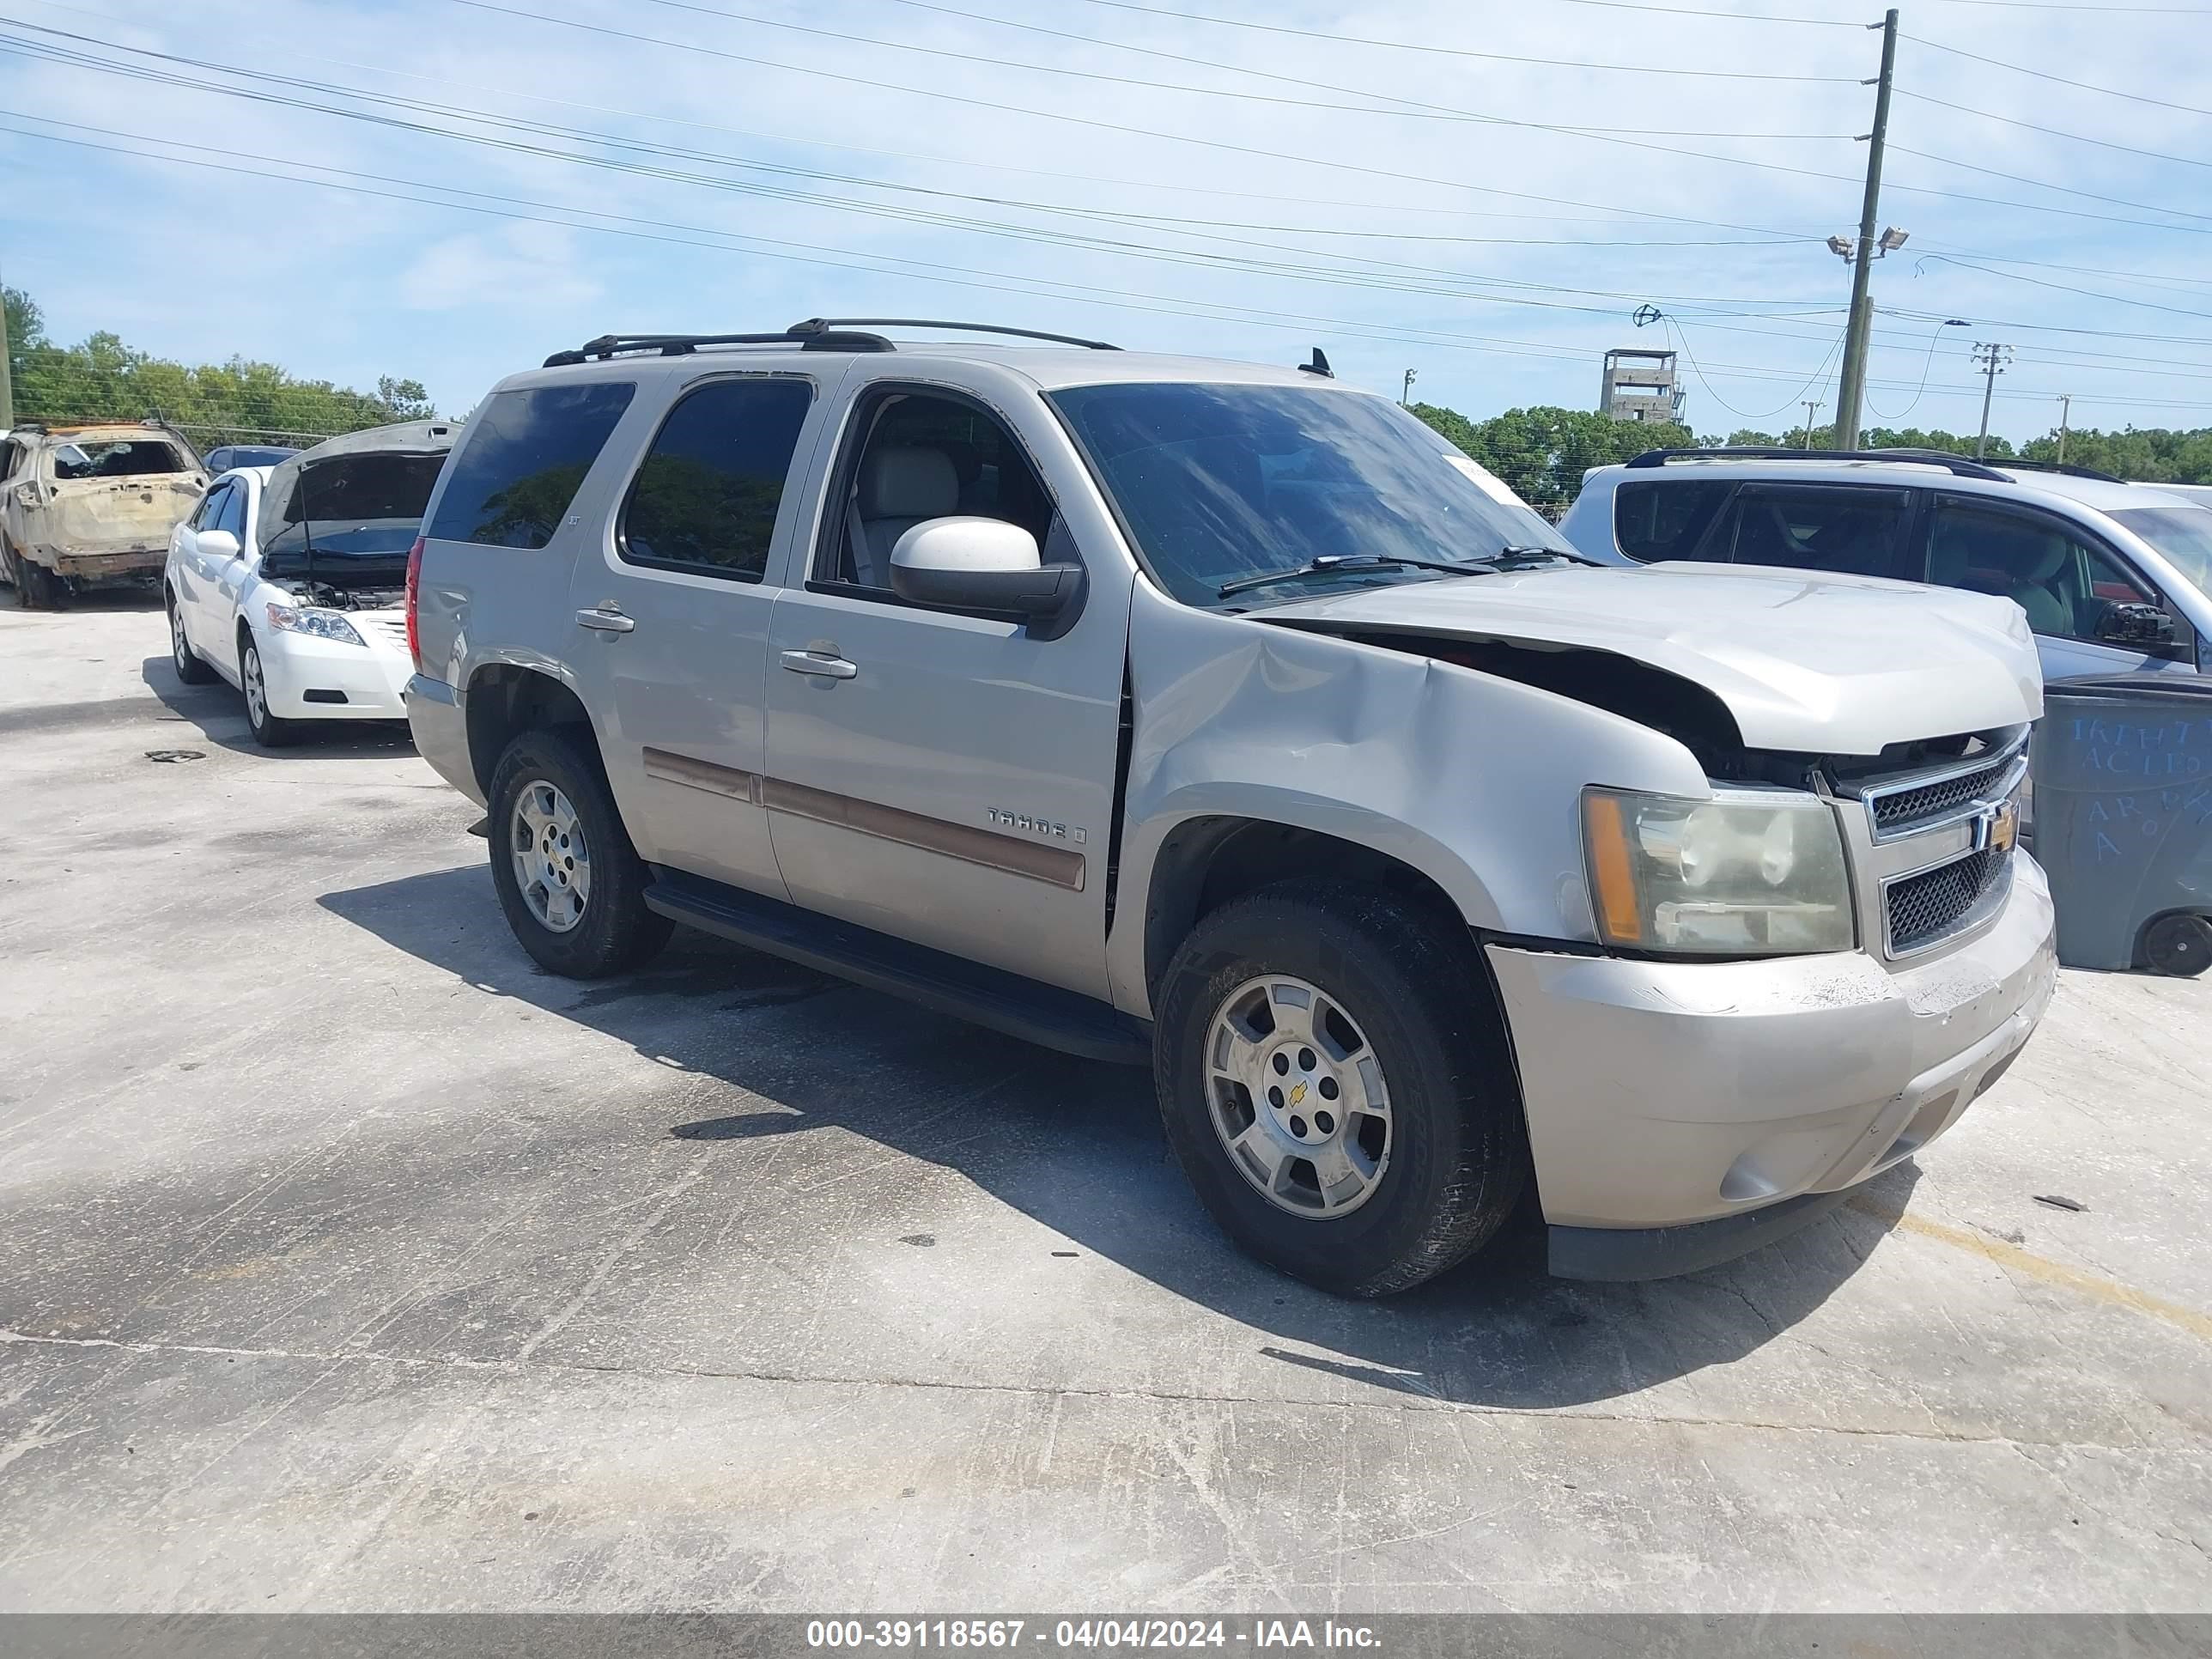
(1227, 720)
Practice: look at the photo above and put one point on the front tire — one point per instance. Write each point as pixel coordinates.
(190, 669)
(269, 731)
(570, 882)
(1334, 1077)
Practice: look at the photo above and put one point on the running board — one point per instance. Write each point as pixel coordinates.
(1043, 1014)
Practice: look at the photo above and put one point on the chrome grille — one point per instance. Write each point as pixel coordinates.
(1902, 809)
(1925, 908)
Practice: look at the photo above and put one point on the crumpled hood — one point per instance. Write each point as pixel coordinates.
(1826, 665)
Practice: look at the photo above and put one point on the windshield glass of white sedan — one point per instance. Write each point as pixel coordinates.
(1216, 483)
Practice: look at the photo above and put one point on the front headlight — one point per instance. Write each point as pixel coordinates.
(317, 625)
(1761, 875)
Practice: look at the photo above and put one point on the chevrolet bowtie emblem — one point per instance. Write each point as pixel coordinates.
(1297, 1093)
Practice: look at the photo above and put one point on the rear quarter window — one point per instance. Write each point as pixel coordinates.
(1653, 521)
(523, 458)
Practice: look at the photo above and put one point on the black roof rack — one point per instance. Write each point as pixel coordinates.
(816, 325)
(2065, 468)
(815, 334)
(1959, 465)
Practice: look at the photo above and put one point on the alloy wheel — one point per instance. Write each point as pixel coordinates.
(1296, 1093)
(552, 859)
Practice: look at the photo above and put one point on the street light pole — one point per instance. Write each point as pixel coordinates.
(1811, 403)
(1992, 358)
(2065, 411)
(1406, 392)
(1860, 326)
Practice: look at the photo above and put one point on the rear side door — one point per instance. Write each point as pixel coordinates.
(946, 778)
(1839, 530)
(672, 620)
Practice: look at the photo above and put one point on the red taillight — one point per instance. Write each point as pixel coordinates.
(414, 592)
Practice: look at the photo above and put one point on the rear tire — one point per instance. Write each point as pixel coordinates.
(570, 882)
(2180, 946)
(38, 589)
(190, 668)
(269, 731)
(1408, 1019)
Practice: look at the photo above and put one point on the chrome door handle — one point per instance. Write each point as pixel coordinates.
(607, 619)
(806, 662)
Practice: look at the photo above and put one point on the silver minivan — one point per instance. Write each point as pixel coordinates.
(1225, 721)
(2113, 577)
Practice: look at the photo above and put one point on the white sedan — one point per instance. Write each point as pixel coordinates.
(289, 581)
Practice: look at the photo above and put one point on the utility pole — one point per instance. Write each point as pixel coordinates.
(1406, 392)
(1859, 326)
(1811, 403)
(2065, 409)
(1992, 358)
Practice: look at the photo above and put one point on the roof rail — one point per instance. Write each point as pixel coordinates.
(815, 334)
(683, 345)
(1958, 465)
(817, 325)
(2065, 468)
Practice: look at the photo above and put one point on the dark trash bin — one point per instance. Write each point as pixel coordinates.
(2121, 810)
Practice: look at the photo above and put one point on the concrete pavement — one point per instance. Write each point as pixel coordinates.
(347, 1262)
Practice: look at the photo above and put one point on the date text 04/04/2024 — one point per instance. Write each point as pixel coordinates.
(1087, 1633)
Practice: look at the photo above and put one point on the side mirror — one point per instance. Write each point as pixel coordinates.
(980, 564)
(217, 545)
(2135, 624)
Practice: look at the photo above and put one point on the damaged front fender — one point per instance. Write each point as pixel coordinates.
(1468, 778)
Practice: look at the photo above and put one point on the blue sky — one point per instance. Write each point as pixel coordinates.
(455, 187)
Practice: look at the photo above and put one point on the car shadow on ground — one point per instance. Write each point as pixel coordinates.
(218, 711)
(1077, 1145)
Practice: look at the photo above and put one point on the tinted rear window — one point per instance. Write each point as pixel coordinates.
(706, 497)
(1653, 521)
(523, 459)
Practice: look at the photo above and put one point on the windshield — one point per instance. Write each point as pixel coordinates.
(351, 510)
(1216, 483)
(2183, 534)
(132, 457)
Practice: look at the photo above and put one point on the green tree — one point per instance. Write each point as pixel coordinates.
(101, 379)
(1543, 452)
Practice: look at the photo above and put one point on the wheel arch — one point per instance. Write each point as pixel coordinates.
(1205, 860)
(504, 700)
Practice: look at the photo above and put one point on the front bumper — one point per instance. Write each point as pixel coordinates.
(313, 679)
(1662, 1096)
(440, 725)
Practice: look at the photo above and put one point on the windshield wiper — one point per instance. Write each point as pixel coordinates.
(1328, 563)
(1520, 558)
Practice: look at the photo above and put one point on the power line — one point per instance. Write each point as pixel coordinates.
(1468, 51)
(1416, 111)
(1139, 250)
(2045, 75)
(2064, 190)
(1118, 299)
(2052, 132)
(1358, 275)
(2062, 288)
(1094, 43)
(1309, 160)
(694, 47)
(1779, 238)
